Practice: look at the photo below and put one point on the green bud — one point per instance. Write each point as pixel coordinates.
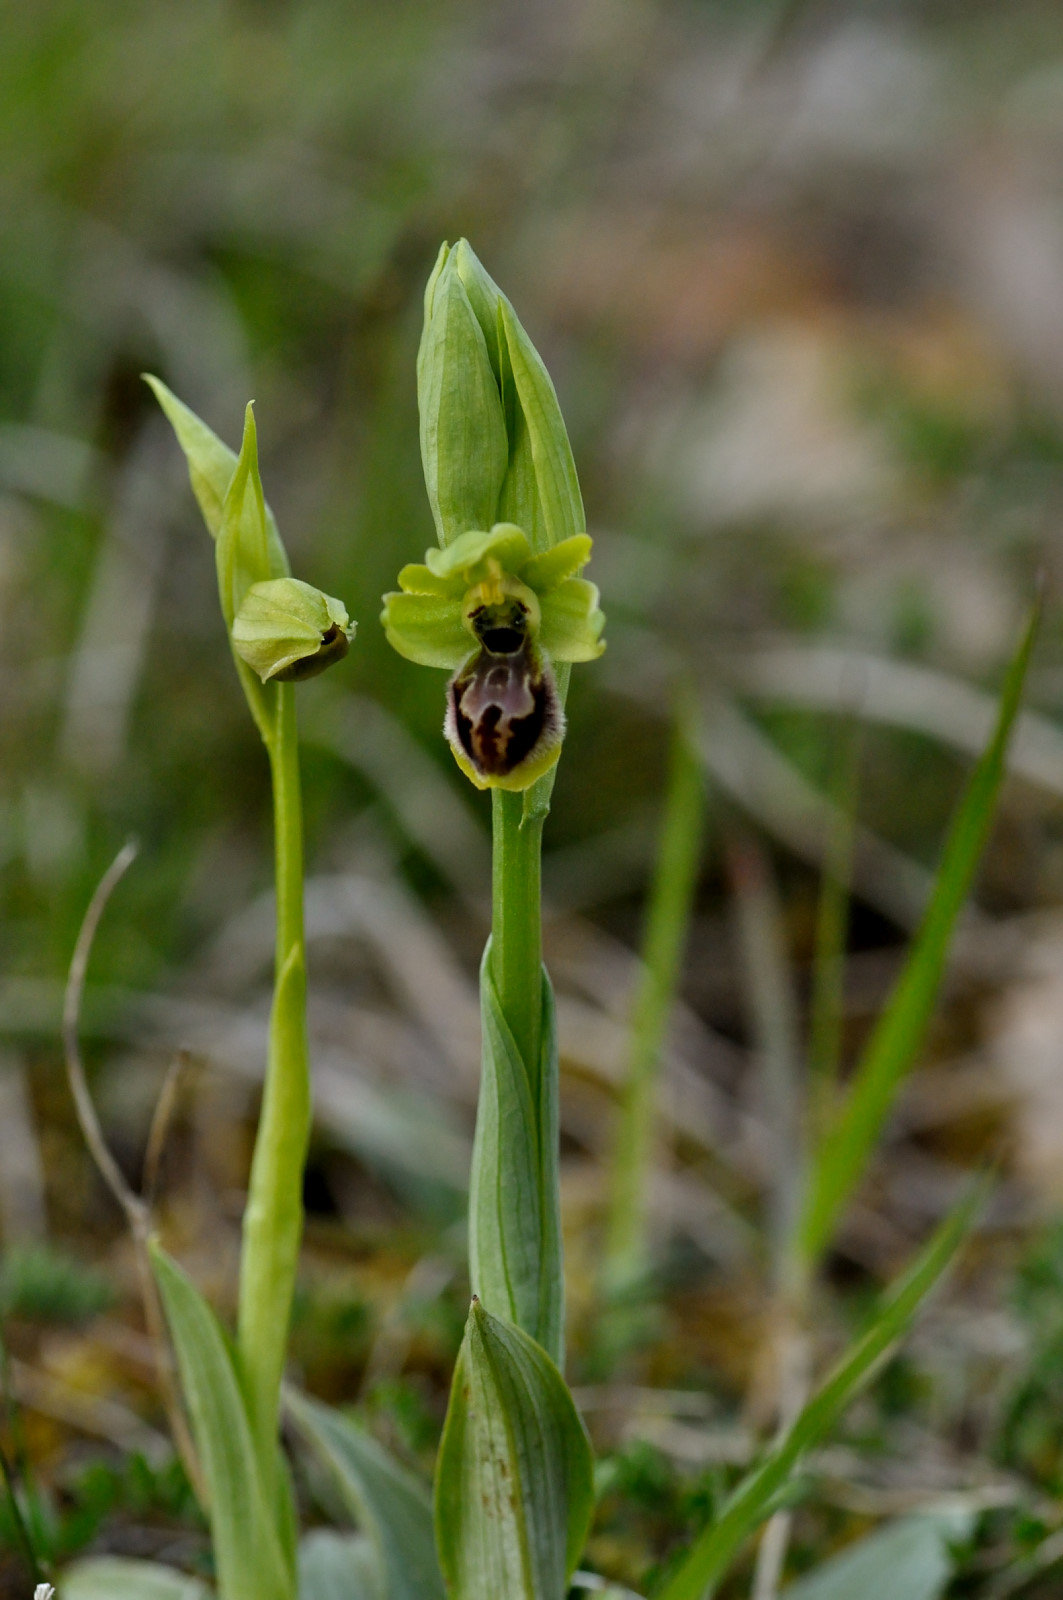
(493, 441)
(540, 491)
(287, 630)
(463, 433)
(279, 628)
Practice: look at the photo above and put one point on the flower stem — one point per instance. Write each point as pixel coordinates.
(516, 921)
(273, 1220)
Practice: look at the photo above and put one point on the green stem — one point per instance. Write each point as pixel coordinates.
(273, 1220)
(516, 922)
(671, 900)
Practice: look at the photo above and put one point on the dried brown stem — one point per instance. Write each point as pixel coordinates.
(136, 1210)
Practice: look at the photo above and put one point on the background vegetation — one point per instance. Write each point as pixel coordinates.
(797, 270)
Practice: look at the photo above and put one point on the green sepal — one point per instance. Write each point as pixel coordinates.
(464, 448)
(572, 622)
(515, 1255)
(514, 1477)
(250, 1525)
(427, 630)
(287, 630)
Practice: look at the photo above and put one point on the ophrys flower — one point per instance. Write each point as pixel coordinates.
(497, 616)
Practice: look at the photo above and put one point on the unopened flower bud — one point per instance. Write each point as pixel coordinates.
(464, 447)
(287, 630)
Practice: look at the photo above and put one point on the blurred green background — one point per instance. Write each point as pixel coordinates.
(797, 272)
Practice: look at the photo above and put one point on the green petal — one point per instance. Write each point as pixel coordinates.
(427, 630)
(545, 571)
(416, 579)
(505, 543)
(572, 623)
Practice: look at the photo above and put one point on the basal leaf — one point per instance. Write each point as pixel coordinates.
(514, 1222)
(384, 1499)
(752, 1502)
(338, 1566)
(114, 1578)
(248, 1524)
(514, 1478)
(909, 1558)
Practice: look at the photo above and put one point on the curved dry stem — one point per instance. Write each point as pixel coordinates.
(136, 1210)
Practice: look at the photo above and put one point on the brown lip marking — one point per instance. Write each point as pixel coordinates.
(502, 705)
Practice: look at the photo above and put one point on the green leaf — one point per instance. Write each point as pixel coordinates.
(113, 1578)
(893, 1047)
(515, 1254)
(383, 1498)
(752, 1502)
(514, 1479)
(910, 1558)
(211, 465)
(464, 449)
(338, 1566)
(249, 1522)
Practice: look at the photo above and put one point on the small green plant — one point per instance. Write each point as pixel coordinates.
(502, 606)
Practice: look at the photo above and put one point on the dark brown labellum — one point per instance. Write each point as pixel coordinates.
(502, 705)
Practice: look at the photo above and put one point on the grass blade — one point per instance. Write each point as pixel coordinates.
(832, 927)
(671, 900)
(844, 1151)
(752, 1501)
